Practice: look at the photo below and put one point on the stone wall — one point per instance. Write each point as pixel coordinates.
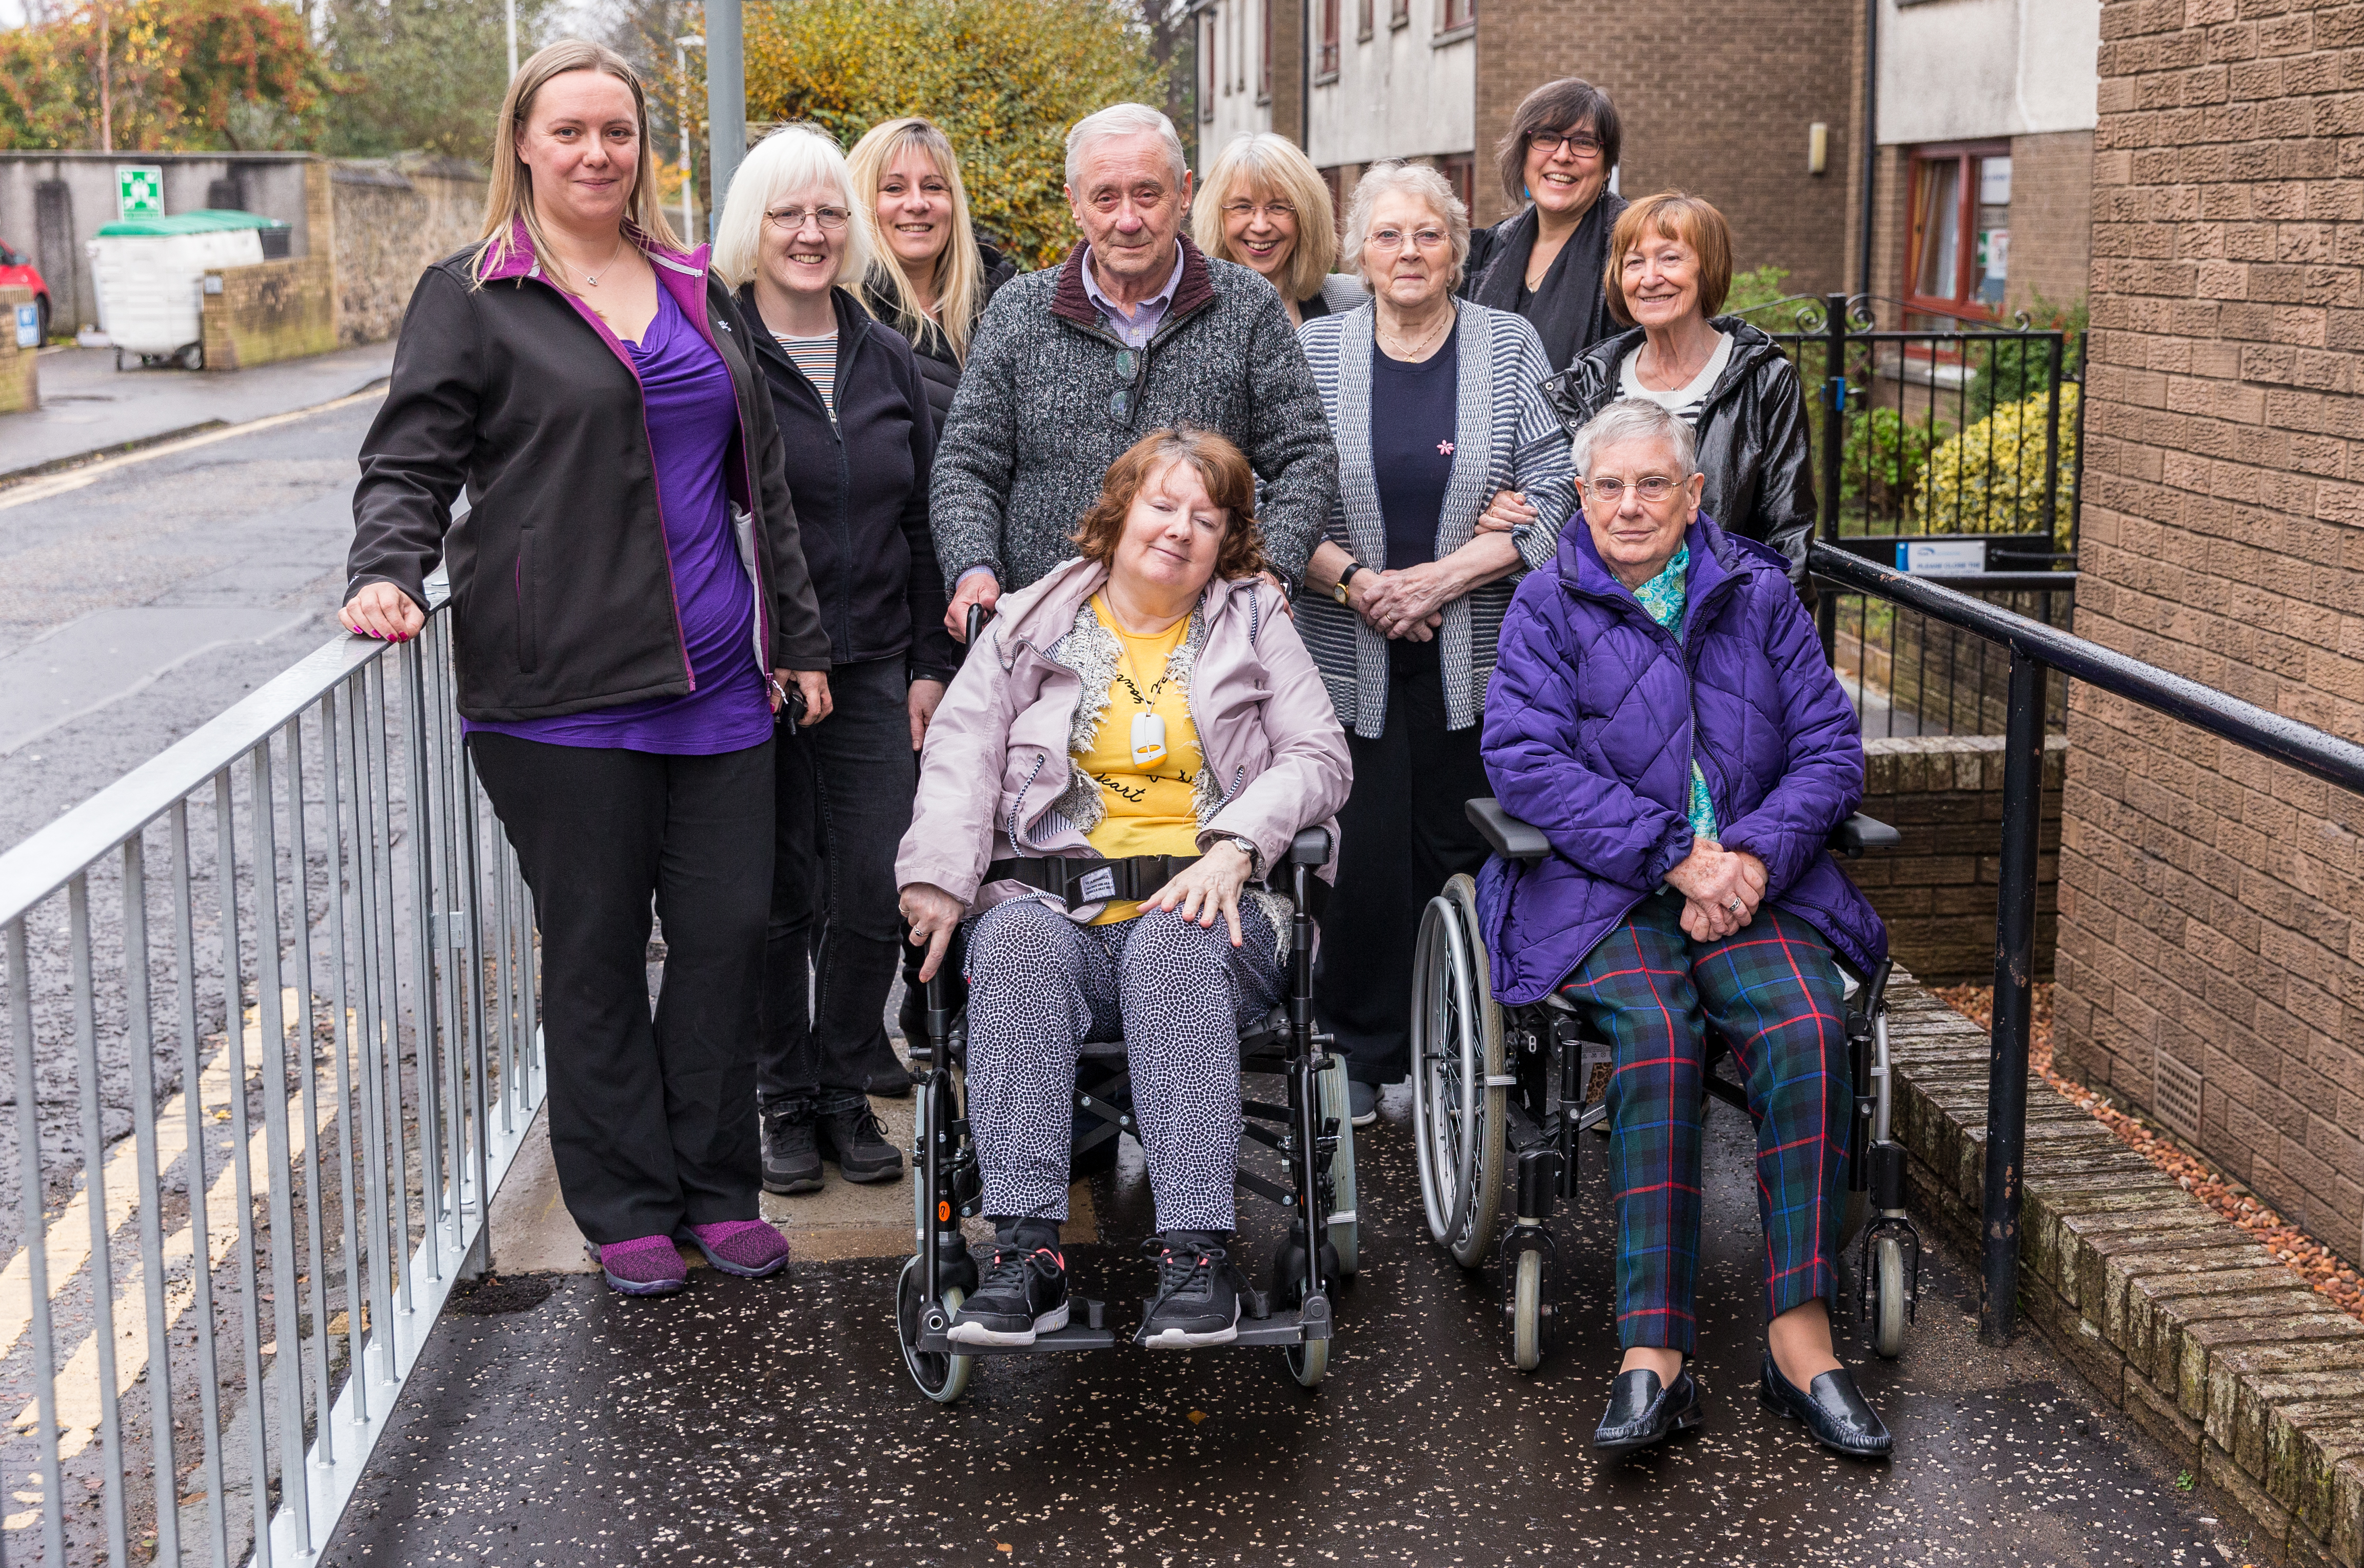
(394, 220)
(271, 310)
(1938, 890)
(1719, 109)
(20, 387)
(2212, 901)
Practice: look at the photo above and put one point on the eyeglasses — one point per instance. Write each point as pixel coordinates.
(1125, 402)
(1580, 143)
(1271, 212)
(1608, 490)
(788, 220)
(1394, 238)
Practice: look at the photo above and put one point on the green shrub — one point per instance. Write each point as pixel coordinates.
(1990, 478)
(1881, 468)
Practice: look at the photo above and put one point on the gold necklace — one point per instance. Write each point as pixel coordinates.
(1432, 337)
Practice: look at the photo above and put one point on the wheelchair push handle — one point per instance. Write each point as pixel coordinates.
(978, 616)
(1516, 840)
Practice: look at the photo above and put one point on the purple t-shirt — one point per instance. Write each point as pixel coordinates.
(692, 416)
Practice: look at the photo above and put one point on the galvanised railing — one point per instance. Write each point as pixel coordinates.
(272, 1013)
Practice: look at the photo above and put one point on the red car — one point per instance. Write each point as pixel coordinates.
(16, 270)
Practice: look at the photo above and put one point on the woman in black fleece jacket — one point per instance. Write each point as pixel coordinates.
(855, 423)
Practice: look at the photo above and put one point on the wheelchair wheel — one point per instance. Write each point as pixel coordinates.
(1527, 1343)
(1308, 1361)
(1345, 1235)
(943, 1378)
(1888, 1296)
(1456, 1045)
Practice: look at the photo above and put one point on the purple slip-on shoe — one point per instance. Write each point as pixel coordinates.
(646, 1265)
(747, 1248)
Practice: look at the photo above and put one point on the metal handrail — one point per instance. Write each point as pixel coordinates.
(2036, 648)
(323, 847)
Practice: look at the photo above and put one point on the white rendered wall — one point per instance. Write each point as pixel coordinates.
(1398, 94)
(1959, 70)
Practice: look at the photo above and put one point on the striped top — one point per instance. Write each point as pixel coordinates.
(1685, 401)
(817, 357)
(1506, 436)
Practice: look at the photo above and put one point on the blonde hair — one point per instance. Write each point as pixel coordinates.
(1267, 161)
(1413, 180)
(508, 199)
(793, 157)
(960, 268)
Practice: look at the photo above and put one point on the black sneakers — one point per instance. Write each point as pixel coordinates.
(791, 1154)
(1023, 1294)
(1198, 1299)
(852, 1136)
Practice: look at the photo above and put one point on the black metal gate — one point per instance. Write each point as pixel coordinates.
(1952, 455)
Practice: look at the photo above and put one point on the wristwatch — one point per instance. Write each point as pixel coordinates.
(1339, 592)
(1247, 847)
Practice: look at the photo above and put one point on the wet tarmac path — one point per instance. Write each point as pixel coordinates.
(774, 1422)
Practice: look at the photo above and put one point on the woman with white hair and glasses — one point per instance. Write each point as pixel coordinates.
(853, 415)
(1453, 480)
(630, 603)
(1263, 206)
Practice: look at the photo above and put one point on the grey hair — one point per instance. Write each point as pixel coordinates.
(1413, 180)
(1124, 119)
(1635, 419)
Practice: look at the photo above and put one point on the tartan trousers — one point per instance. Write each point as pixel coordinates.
(1772, 991)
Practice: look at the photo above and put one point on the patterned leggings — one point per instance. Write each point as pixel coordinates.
(1773, 992)
(1039, 984)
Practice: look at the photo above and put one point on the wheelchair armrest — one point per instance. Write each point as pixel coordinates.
(1509, 838)
(1851, 837)
(1310, 847)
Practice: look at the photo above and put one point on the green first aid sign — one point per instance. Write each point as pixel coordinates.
(139, 190)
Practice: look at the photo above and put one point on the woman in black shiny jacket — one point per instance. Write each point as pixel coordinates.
(1750, 414)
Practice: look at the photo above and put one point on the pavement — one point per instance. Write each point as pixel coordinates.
(558, 1424)
(89, 408)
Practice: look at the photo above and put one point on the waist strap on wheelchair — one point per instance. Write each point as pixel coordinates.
(1091, 881)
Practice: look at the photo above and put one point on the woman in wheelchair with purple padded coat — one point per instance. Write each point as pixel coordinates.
(1146, 701)
(1663, 712)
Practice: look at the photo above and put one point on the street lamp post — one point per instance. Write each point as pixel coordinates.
(681, 47)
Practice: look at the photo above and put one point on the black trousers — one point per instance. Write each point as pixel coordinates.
(1402, 834)
(652, 1120)
(843, 799)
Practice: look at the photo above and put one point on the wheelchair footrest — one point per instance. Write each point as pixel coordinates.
(1091, 1334)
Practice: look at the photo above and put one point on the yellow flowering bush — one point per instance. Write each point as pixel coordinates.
(1989, 477)
(1005, 79)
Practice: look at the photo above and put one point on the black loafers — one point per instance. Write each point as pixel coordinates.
(1831, 1409)
(1642, 1414)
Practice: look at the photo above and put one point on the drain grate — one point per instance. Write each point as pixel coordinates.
(2176, 1091)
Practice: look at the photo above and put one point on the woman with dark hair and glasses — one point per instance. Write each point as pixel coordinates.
(1545, 263)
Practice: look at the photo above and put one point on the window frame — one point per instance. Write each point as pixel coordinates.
(1454, 18)
(1264, 56)
(1965, 157)
(1326, 42)
(1366, 20)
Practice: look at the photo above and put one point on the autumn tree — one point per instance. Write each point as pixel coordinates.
(432, 73)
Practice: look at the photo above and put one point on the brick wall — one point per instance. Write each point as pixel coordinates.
(1937, 889)
(392, 220)
(1288, 45)
(273, 310)
(20, 387)
(1717, 108)
(2051, 217)
(2211, 910)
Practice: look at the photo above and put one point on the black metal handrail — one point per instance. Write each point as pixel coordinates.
(2036, 647)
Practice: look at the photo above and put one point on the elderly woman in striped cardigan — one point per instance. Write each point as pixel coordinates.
(1453, 480)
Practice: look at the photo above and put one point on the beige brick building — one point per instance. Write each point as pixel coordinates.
(2211, 924)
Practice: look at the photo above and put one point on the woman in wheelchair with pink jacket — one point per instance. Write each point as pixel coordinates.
(1663, 712)
(1148, 699)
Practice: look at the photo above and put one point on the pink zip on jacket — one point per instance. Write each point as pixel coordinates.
(996, 761)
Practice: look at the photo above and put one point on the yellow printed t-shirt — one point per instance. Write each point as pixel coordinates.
(1148, 807)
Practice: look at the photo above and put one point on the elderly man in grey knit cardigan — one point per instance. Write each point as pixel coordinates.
(1135, 331)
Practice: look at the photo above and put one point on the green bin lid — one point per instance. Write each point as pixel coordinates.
(204, 220)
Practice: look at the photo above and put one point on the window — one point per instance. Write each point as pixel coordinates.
(1263, 53)
(1399, 14)
(1454, 14)
(1365, 21)
(1325, 67)
(1460, 172)
(1957, 265)
(1334, 179)
(1207, 68)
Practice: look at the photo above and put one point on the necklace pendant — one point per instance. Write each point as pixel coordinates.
(1148, 739)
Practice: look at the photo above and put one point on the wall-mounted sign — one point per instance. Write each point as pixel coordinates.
(28, 326)
(1944, 555)
(138, 191)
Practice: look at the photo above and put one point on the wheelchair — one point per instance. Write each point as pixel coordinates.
(1501, 1095)
(1313, 1132)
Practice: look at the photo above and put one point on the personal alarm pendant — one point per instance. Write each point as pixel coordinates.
(1148, 739)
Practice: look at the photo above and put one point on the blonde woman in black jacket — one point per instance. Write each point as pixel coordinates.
(628, 606)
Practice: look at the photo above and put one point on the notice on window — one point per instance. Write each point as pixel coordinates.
(1994, 252)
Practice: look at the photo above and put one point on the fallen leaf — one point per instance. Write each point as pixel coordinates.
(1197, 1416)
